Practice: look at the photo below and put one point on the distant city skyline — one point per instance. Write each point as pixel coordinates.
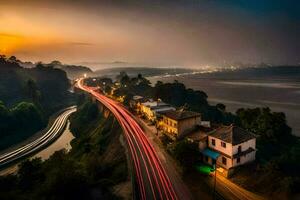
(181, 33)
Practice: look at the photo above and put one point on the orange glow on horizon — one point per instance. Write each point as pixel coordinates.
(9, 43)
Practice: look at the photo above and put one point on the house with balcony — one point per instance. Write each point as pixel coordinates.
(179, 123)
(227, 147)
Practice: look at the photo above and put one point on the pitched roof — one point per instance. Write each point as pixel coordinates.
(232, 134)
(180, 115)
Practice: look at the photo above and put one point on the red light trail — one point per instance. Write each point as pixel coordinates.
(150, 178)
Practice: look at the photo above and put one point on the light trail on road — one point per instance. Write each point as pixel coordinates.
(39, 143)
(151, 179)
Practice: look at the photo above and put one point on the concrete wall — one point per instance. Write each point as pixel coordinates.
(245, 159)
(170, 126)
(187, 124)
(246, 145)
(232, 150)
(228, 150)
(229, 162)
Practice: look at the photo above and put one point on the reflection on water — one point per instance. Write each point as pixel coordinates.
(63, 142)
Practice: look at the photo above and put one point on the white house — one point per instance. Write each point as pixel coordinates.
(230, 146)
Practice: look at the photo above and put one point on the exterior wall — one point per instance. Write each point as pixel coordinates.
(147, 111)
(187, 124)
(229, 162)
(246, 145)
(176, 128)
(202, 145)
(218, 147)
(232, 150)
(170, 126)
(245, 159)
(248, 157)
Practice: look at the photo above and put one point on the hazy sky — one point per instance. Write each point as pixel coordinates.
(171, 32)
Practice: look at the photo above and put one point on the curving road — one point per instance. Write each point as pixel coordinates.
(39, 143)
(151, 181)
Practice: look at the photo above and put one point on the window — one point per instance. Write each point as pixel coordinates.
(224, 160)
(238, 160)
(213, 142)
(240, 149)
(223, 144)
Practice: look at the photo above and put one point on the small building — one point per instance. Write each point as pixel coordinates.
(234, 145)
(177, 124)
(152, 110)
(135, 103)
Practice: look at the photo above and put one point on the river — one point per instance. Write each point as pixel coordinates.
(280, 94)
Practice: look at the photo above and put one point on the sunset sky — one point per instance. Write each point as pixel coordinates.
(181, 32)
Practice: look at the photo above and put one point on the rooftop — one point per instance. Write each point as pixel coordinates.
(232, 134)
(180, 115)
(137, 97)
(199, 133)
(154, 104)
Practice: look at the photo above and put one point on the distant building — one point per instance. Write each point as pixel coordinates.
(177, 124)
(152, 110)
(135, 103)
(228, 147)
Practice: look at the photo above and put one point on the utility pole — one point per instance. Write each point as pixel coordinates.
(215, 183)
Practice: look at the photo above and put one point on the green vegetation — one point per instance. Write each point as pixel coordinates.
(278, 155)
(186, 153)
(28, 97)
(24, 119)
(174, 93)
(90, 170)
(178, 95)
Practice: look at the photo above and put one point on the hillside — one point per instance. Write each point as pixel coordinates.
(28, 96)
(73, 71)
(45, 85)
(95, 168)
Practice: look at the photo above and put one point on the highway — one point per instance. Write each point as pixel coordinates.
(40, 142)
(151, 181)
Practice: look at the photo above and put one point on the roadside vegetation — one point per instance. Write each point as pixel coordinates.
(28, 96)
(276, 170)
(92, 169)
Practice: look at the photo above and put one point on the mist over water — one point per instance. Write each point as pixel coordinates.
(280, 94)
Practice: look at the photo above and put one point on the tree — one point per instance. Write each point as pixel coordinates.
(30, 173)
(221, 107)
(5, 120)
(186, 153)
(27, 117)
(32, 91)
